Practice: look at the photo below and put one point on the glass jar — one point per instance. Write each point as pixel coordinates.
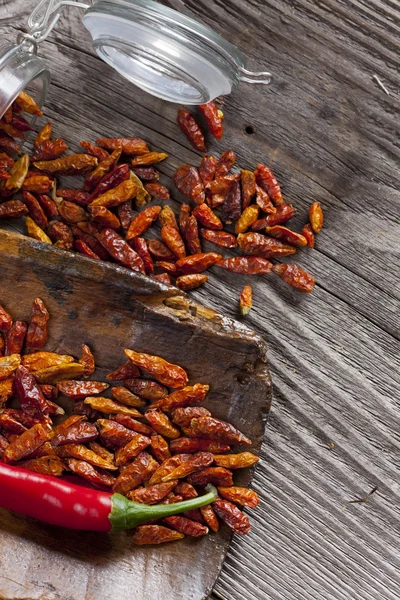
(167, 54)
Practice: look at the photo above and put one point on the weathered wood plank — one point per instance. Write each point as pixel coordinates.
(331, 134)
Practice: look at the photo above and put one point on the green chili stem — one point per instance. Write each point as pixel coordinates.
(126, 514)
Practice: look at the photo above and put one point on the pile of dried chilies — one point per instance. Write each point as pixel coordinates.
(101, 221)
(143, 455)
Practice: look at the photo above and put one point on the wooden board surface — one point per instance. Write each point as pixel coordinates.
(131, 312)
(331, 134)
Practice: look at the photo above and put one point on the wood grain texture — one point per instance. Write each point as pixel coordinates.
(330, 134)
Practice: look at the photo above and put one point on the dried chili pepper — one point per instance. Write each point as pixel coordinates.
(188, 182)
(43, 135)
(50, 392)
(213, 119)
(223, 239)
(220, 431)
(225, 163)
(125, 214)
(167, 466)
(117, 247)
(197, 263)
(83, 248)
(257, 244)
(82, 508)
(93, 179)
(97, 249)
(37, 361)
(143, 221)
(49, 150)
(35, 210)
(110, 407)
(6, 389)
(190, 282)
(36, 232)
(184, 214)
(164, 278)
(264, 202)
(29, 394)
(9, 364)
(26, 443)
(190, 445)
(74, 164)
(189, 126)
(157, 191)
(232, 207)
(191, 236)
(15, 338)
(111, 181)
(61, 234)
(152, 494)
(6, 162)
(77, 196)
(186, 526)
(129, 146)
(210, 518)
(167, 217)
(19, 123)
(39, 184)
(171, 237)
(123, 192)
(12, 208)
(295, 276)
(183, 415)
(105, 217)
(197, 462)
(160, 449)
(166, 373)
(18, 173)
(283, 213)
(135, 473)
(240, 495)
(11, 130)
(189, 395)
(248, 183)
(159, 250)
(122, 394)
(268, 182)
(90, 473)
(114, 434)
(207, 168)
(236, 461)
(142, 195)
(81, 389)
(316, 216)
(25, 103)
(81, 452)
(214, 475)
(286, 234)
(132, 424)
(162, 423)
(94, 150)
(59, 372)
(125, 371)
(45, 465)
(147, 389)
(49, 206)
(186, 490)
(36, 336)
(78, 433)
(139, 244)
(207, 217)
(71, 212)
(232, 516)
(8, 144)
(222, 184)
(148, 159)
(132, 449)
(101, 451)
(246, 300)
(155, 534)
(308, 233)
(147, 173)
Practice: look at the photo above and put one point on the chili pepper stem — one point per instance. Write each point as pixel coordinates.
(126, 514)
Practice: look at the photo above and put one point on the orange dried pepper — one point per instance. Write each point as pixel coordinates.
(166, 373)
(190, 282)
(246, 300)
(284, 233)
(189, 395)
(74, 164)
(240, 495)
(143, 221)
(109, 407)
(316, 216)
(197, 263)
(295, 276)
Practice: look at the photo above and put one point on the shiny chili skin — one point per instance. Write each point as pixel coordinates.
(64, 504)
(53, 501)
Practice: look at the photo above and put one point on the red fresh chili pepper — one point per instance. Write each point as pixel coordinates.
(67, 505)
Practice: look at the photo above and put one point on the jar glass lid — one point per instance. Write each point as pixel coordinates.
(164, 52)
(155, 47)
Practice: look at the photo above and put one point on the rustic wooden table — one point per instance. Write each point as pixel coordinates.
(330, 132)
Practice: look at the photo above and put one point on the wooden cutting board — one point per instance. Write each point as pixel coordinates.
(110, 309)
